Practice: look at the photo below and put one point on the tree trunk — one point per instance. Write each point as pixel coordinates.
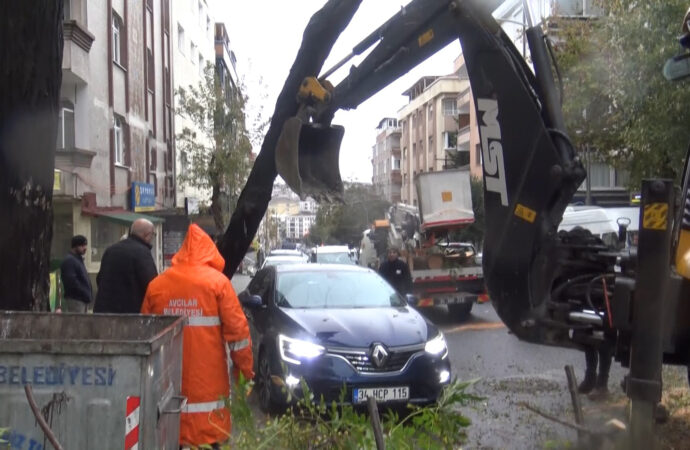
(319, 36)
(30, 78)
(216, 207)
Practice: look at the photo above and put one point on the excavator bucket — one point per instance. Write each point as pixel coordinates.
(307, 158)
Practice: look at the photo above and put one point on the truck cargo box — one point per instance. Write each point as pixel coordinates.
(445, 199)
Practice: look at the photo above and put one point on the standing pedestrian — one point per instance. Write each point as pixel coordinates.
(195, 287)
(396, 272)
(127, 268)
(597, 384)
(75, 280)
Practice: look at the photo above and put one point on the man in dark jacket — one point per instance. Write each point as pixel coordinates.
(75, 279)
(396, 272)
(127, 268)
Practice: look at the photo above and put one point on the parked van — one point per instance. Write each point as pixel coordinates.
(603, 222)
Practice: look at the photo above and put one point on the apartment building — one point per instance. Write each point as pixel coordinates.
(226, 62)
(386, 178)
(194, 47)
(115, 153)
(429, 129)
(297, 226)
(291, 217)
(468, 141)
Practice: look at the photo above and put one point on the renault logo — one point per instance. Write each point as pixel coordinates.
(379, 355)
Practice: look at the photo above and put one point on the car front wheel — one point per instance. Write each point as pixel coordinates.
(266, 391)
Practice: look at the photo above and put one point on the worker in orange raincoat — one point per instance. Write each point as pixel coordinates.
(195, 287)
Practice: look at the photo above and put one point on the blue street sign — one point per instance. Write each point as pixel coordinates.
(143, 196)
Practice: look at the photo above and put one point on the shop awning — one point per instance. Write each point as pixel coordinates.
(128, 217)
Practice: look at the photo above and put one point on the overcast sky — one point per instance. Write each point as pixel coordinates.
(265, 36)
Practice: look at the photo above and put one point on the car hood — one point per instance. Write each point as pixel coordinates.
(360, 327)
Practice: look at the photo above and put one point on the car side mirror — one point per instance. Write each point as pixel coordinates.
(411, 299)
(250, 301)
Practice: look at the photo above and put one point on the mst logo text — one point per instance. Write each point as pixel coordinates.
(492, 149)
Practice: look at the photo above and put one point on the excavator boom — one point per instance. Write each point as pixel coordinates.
(530, 169)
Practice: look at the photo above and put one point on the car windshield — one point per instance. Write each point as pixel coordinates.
(334, 258)
(335, 289)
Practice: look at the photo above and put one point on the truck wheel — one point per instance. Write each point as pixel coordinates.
(460, 311)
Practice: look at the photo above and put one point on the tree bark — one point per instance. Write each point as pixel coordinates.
(30, 78)
(319, 36)
(216, 207)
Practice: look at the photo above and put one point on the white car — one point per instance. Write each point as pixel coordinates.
(279, 260)
(288, 252)
(333, 254)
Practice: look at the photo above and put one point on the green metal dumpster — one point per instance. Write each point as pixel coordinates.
(103, 381)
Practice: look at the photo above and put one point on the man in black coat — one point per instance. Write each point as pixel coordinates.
(75, 279)
(127, 268)
(396, 272)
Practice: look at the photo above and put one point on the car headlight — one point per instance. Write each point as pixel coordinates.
(437, 346)
(294, 350)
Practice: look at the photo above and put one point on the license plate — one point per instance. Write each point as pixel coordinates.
(455, 300)
(381, 394)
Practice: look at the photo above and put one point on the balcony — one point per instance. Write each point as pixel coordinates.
(464, 102)
(75, 55)
(464, 137)
(67, 159)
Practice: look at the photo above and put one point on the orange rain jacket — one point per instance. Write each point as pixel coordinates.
(195, 287)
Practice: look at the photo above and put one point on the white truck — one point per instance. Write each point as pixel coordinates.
(444, 271)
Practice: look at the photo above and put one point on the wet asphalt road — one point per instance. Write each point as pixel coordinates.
(508, 372)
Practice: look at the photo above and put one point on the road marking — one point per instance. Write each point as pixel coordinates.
(477, 326)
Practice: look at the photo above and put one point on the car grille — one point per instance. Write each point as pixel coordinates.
(360, 359)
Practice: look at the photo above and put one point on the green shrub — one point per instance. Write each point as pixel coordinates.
(314, 424)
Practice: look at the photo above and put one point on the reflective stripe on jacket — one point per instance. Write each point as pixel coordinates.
(195, 287)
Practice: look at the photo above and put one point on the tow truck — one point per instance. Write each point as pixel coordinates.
(548, 287)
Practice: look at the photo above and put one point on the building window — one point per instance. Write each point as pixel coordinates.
(201, 65)
(450, 107)
(67, 9)
(431, 144)
(208, 25)
(184, 163)
(396, 163)
(180, 38)
(450, 139)
(117, 39)
(622, 178)
(150, 70)
(119, 142)
(192, 52)
(600, 175)
(65, 137)
(201, 15)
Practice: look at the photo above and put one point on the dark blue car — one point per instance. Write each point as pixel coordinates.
(340, 325)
